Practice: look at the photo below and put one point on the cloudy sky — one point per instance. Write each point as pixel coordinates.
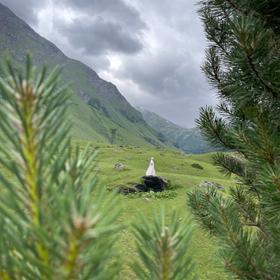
(151, 49)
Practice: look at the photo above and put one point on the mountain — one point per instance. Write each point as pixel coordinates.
(187, 139)
(98, 110)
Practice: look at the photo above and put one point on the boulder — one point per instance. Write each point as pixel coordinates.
(127, 190)
(207, 184)
(154, 183)
(149, 183)
(119, 166)
(141, 188)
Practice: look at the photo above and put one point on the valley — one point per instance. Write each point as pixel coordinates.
(177, 168)
(189, 140)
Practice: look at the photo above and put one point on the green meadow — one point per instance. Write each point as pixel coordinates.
(176, 167)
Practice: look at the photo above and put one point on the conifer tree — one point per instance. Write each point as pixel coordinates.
(243, 65)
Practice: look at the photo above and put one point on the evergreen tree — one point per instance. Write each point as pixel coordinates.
(243, 65)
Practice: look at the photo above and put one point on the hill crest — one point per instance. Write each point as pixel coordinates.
(97, 106)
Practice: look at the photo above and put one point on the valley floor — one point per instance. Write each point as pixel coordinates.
(177, 168)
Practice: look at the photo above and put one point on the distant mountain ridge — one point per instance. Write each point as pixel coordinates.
(98, 110)
(187, 139)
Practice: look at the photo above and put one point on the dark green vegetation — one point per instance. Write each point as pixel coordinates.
(243, 63)
(97, 109)
(189, 140)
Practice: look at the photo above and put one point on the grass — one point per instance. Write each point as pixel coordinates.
(175, 167)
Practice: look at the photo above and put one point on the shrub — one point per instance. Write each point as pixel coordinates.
(197, 166)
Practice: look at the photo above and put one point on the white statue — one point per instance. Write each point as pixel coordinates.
(151, 169)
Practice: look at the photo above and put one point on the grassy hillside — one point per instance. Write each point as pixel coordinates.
(187, 139)
(177, 168)
(97, 107)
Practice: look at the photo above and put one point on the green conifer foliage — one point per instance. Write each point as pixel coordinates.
(163, 250)
(243, 65)
(53, 226)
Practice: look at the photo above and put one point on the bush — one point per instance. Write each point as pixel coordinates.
(197, 166)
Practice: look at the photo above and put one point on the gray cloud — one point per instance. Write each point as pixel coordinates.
(25, 9)
(167, 74)
(170, 72)
(115, 10)
(98, 36)
(103, 26)
(152, 50)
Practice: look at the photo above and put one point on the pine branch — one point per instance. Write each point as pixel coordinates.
(267, 86)
(163, 250)
(58, 224)
(231, 164)
(214, 129)
(243, 65)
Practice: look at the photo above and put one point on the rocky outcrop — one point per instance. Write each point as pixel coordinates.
(154, 183)
(206, 184)
(119, 166)
(149, 184)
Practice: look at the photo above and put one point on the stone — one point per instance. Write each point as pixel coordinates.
(207, 184)
(127, 190)
(154, 183)
(119, 166)
(149, 184)
(141, 188)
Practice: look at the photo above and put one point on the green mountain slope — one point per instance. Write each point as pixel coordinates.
(98, 110)
(187, 139)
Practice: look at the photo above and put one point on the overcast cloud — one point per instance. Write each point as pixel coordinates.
(151, 49)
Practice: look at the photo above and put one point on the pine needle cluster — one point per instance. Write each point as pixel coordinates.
(163, 250)
(243, 65)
